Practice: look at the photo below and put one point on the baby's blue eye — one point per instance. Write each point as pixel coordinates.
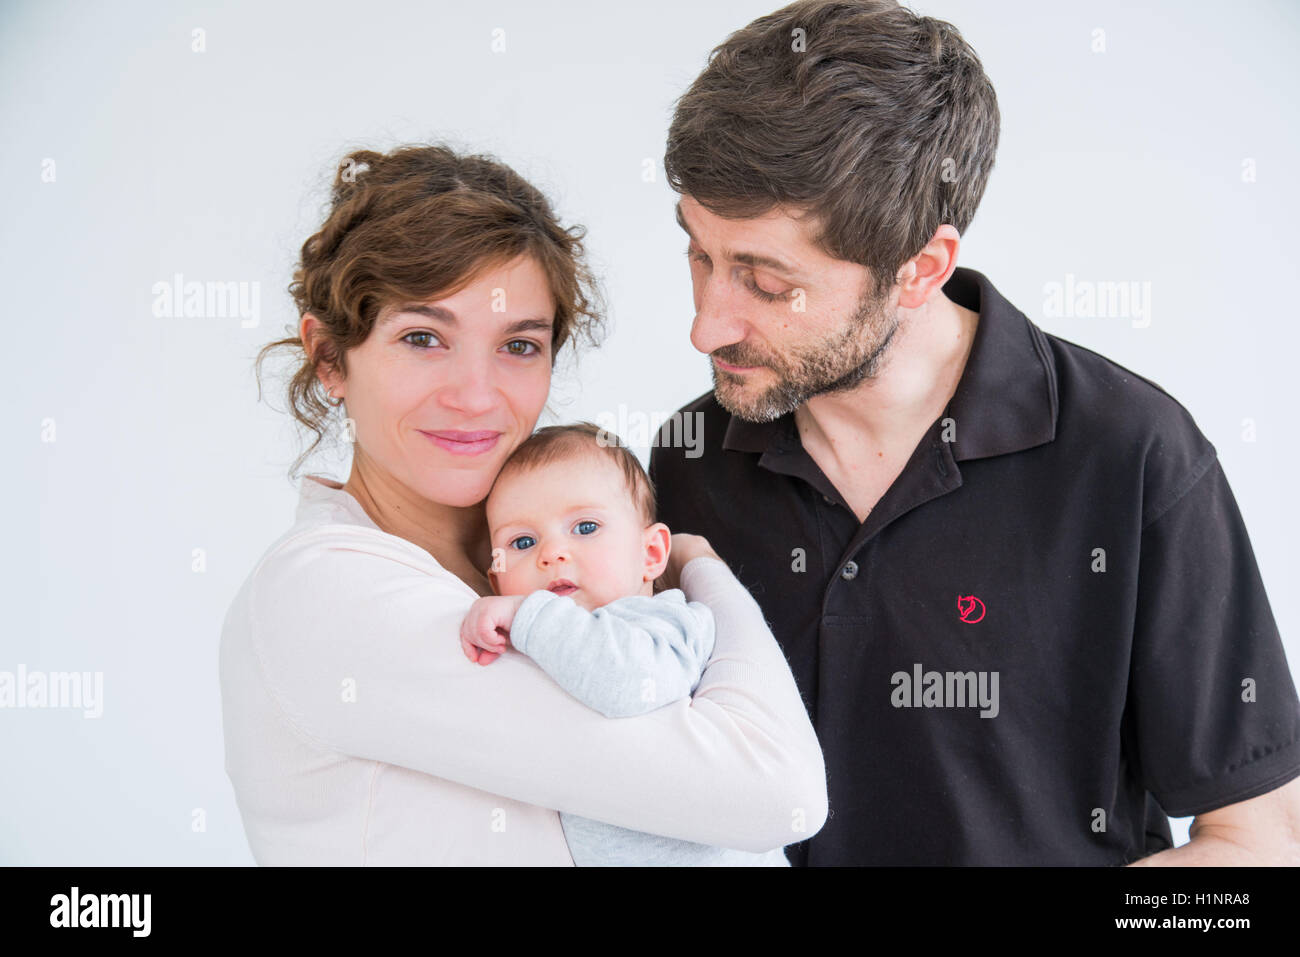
(593, 524)
(522, 538)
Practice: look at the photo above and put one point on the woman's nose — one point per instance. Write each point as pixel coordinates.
(470, 388)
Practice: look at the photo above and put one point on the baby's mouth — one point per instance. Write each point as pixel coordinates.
(562, 587)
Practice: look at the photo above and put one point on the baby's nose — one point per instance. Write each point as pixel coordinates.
(553, 553)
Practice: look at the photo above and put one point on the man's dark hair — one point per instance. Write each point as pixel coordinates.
(879, 123)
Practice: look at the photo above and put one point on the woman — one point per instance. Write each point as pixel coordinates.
(433, 301)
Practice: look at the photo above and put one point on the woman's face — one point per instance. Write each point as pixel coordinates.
(441, 392)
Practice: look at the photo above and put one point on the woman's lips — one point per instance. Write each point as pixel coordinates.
(464, 443)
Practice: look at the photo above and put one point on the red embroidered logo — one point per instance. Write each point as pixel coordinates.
(970, 608)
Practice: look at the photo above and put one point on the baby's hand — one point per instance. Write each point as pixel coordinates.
(485, 632)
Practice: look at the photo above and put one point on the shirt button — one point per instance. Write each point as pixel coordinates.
(849, 571)
(829, 500)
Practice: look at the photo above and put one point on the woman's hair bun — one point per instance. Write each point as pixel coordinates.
(351, 172)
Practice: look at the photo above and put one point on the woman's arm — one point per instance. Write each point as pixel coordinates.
(357, 638)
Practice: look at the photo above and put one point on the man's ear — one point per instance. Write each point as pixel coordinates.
(929, 269)
(657, 540)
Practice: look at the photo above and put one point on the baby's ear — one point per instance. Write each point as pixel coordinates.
(658, 542)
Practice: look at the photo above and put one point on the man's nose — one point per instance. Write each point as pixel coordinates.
(718, 317)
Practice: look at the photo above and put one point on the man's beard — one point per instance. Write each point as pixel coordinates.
(836, 363)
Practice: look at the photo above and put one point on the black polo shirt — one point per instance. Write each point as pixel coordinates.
(1051, 621)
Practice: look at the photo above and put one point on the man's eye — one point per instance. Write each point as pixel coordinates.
(750, 283)
(522, 538)
(763, 294)
(411, 336)
(594, 526)
(523, 342)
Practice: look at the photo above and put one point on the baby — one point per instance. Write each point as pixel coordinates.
(575, 554)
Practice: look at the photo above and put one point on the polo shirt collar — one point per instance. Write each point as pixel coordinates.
(1006, 400)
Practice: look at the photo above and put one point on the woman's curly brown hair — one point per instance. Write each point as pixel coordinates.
(414, 224)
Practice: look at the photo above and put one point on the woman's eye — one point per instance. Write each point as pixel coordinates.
(522, 538)
(411, 336)
(516, 347)
(594, 526)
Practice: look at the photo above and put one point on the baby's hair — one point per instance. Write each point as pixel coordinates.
(558, 443)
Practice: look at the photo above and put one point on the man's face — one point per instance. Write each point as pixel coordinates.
(780, 319)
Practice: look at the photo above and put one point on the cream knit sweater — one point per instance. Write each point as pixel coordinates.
(357, 732)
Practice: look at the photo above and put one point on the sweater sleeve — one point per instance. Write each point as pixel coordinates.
(625, 658)
(357, 640)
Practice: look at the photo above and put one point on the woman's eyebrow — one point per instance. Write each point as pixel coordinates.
(449, 317)
(746, 259)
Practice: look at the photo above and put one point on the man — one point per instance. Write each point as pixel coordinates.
(1009, 575)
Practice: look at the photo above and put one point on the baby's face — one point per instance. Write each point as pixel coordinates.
(572, 521)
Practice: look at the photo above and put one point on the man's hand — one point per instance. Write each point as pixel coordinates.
(485, 631)
(1261, 831)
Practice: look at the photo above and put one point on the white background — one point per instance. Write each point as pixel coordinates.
(1118, 165)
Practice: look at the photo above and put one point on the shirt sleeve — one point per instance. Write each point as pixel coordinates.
(623, 659)
(357, 640)
(1213, 716)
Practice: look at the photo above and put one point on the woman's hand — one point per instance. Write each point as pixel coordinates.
(681, 549)
(485, 630)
